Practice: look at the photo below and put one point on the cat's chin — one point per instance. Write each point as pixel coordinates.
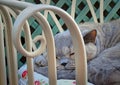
(66, 74)
(61, 73)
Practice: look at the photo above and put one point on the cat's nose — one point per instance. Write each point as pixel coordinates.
(64, 64)
(63, 61)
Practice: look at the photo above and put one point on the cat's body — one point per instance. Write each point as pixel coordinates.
(104, 69)
(102, 42)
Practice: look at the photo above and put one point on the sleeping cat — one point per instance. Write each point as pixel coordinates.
(102, 42)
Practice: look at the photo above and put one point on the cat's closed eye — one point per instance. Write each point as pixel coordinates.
(72, 54)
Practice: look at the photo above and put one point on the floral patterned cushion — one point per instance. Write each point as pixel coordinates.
(40, 79)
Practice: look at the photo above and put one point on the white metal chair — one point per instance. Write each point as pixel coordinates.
(13, 32)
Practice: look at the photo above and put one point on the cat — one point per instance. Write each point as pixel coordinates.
(102, 43)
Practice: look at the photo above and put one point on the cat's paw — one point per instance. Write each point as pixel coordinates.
(40, 61)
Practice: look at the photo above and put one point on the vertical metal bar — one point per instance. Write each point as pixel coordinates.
(101, 11)
(73, 8)
(11, 52)
(2, 56)
(28, 42)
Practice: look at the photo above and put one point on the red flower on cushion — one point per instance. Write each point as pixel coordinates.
(37, 83)
(74, 82)
(24, 74)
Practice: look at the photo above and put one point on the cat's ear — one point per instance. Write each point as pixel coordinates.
(90, 36)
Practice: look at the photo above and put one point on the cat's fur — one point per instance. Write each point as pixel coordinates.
(102, 42)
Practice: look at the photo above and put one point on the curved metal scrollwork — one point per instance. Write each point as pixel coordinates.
(76, 37)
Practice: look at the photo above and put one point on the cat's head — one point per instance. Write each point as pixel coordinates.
(64, 47)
